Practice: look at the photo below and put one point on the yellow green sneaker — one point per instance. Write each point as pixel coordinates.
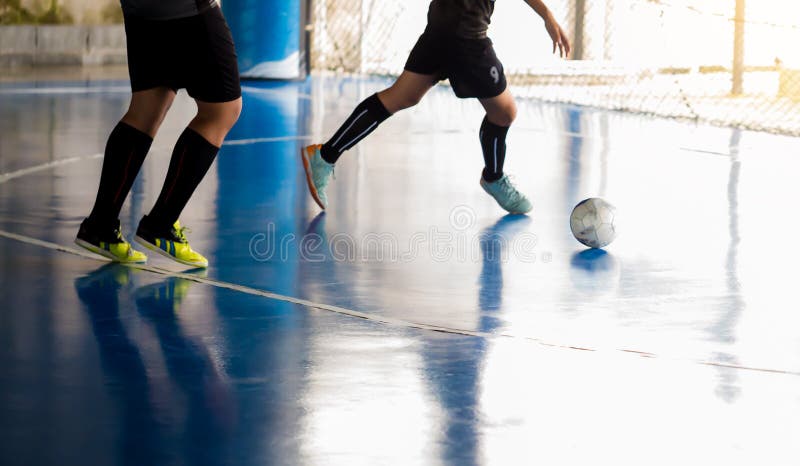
(108, 242)
(169, 242)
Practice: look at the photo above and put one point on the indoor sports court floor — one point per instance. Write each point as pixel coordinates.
(413, 323)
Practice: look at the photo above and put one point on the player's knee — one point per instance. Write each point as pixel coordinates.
(222, 115)
(395, 99)
(505, 116)
(510, 115)
(412, 100)
(235, 111)
(403, 102)
(146, 111)
(145, 121)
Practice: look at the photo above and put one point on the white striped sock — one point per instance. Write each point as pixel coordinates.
(348, 129)
(358, 138)
(495, 155)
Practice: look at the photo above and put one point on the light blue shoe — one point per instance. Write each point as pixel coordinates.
(318, 173)
(507, 195)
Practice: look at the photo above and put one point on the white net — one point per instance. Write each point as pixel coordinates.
(710, 63)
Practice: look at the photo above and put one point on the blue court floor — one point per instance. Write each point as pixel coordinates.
(412, 323)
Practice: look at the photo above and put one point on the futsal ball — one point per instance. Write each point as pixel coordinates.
(592, 222)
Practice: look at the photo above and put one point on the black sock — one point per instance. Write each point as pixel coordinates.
(125, 152)
(493, 144)
(191, 159)
(365, 118)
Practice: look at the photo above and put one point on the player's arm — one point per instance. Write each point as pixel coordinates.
(553, 28)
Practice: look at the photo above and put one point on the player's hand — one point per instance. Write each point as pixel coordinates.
(557, 35)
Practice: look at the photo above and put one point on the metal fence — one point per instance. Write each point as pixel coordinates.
(726, 62)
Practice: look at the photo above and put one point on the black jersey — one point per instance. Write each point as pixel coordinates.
(463, 18)
(165, 9)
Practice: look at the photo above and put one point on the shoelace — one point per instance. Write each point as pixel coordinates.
(118, 235)
(326, 179)
(121, 239)
(181, 233)
(509, 189)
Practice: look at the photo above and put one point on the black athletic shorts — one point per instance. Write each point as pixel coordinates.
(195, 53)
(470, 64)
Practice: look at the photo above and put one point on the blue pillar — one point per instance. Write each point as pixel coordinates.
(269, 37)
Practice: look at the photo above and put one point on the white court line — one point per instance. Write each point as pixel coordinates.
(706, 152)
(259, 90)
(242, 142)
(5, 177)
(367, 316)
(65, 90)
(45, 166)
(117, 89)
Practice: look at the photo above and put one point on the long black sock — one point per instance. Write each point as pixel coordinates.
(493, 143)
(125, 152)
(365, 118)
(191, 159)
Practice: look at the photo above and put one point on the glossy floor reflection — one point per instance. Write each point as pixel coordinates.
(431, 328)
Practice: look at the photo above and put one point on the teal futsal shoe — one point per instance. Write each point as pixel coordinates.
(318, 173)
(507, 195)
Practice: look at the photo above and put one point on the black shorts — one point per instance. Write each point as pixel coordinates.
(470, 64)
(195, 53)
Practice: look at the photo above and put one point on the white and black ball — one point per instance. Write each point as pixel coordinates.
(592, 222)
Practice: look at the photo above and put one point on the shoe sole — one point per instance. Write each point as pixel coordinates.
(102, 252)
(157, 249)
(311, 188)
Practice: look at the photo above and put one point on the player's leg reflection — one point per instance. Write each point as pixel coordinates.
(454, 363)
(126, 376)
(319, 267)
(211, 411)
(495, 243)
(723, 330)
